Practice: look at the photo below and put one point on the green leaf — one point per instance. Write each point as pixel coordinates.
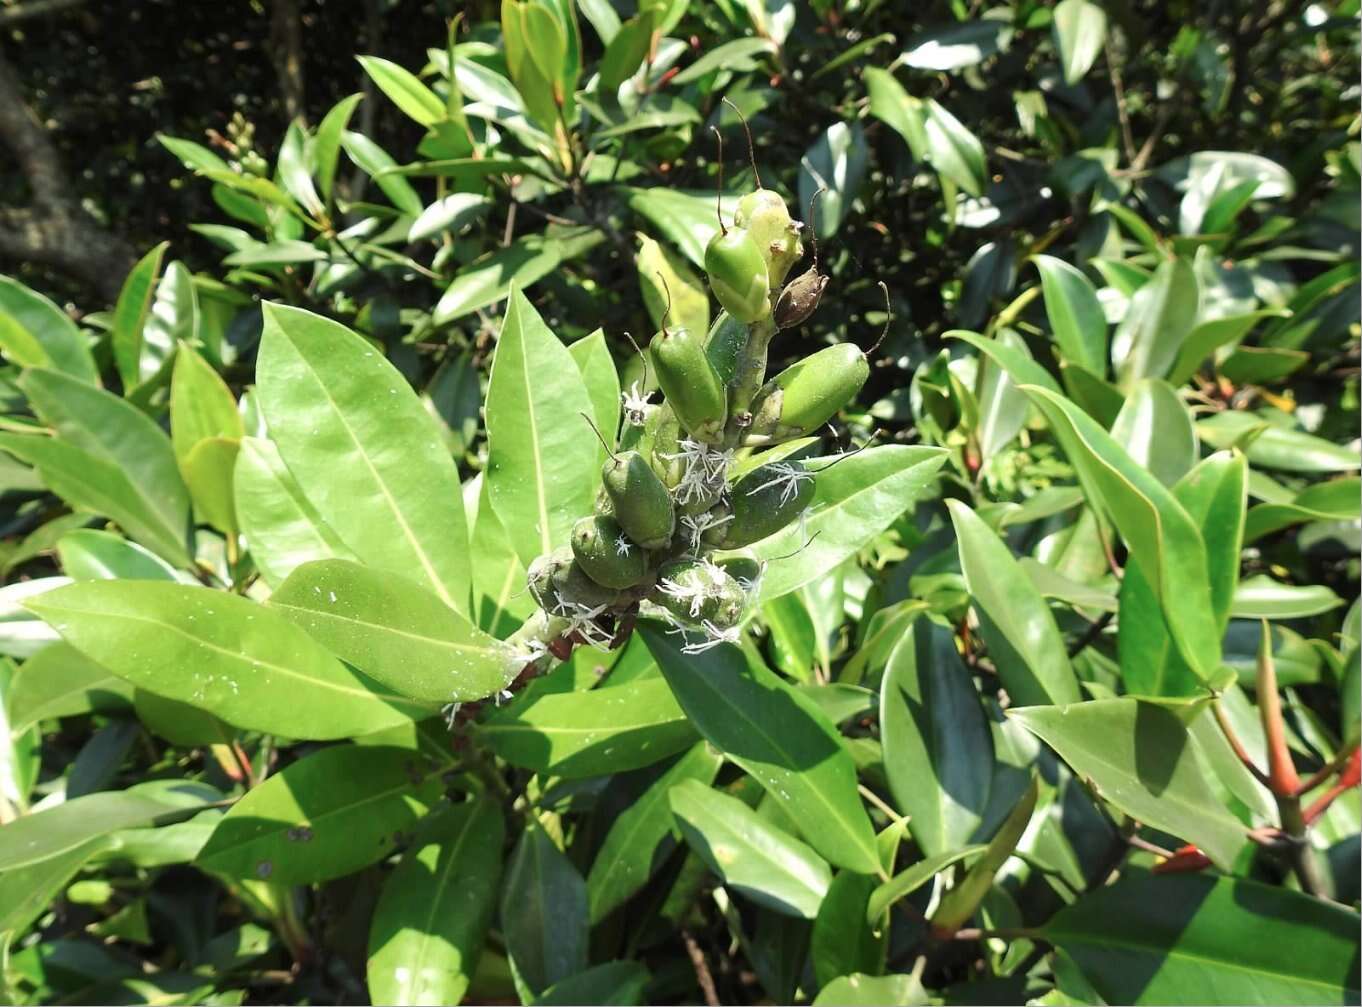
(854, 502)
(60, 681)
(134, 309)
(593, 359)
(938, 753)
(1334, 500)
(541, 458)
(377, 163)
(88, 554)
(1075, 314)
(836, 163)
(642, 837)
(172, 319)
(1261, 597)
(1164, 542)
(1208, 336)
(906, 882)
(91, 483)
(396, 632)
(595, 733)
(779, 737)
(660, 272)
(1080, 29)
(905, 114)
(518, 266)
(40, 836)
(327, 394)
(607, 984)
(1015, 621)
(958, 46)
(292, 169)
(1155, 428)
(1002, 408)
(285, 252)
(1275, 447)
(34, 332)
(432, 917)
(201, 405)
(404, 89)
(1141, 759)
(116, 432)
(326, 145)
(225, 654)
(1170, 939)
(1019, 366)
(625, 52)
(684, 218)
(953, 150)
(1160, 318)
(26, 893)
(209, 471)
(861, 990)
(449, 215)
(844, 939)
(543, 912)
(326, 815)
(749, 854)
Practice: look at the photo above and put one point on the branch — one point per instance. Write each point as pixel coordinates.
(25, 136)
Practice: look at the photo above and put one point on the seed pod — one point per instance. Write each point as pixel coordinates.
(559, 585)
(604, 551)
(690, 383)
(662, 438)
(724, 345)
(737, 274)
(805, 395)
(745, 569)
(767, 219)
(640, 500)
(697, 591)
(801, 295)
(763, 502)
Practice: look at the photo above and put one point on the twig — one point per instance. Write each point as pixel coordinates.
(1223, 720)
(1090, 637)
(1127, 136)
(702, 974)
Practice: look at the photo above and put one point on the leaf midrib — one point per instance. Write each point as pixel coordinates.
(438, 642)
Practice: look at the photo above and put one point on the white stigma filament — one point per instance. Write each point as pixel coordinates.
(787, 477)
(622, 546)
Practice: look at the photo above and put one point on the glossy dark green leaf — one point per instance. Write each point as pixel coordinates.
(60, 681)
(1019, 366)
(395, 631)
(521, 264)
(1334, 500)
(322, 817)
(1015, 620)
(179, 723)
(1076, 318)
(326, 145)
(544, 912)
(938, 753)
(233, 657)
(853, 503)
(327, 394)
(377, 163)
(593, 733)
(1155, 428)
(135, 301)
(432, 917)
(404, 89)
(844, 939)
(172, 318)
(1002, 408)
(1276, 447)
(281, 526)
(1179, 938)
(778, 736)
(1261, 597)
(451, 215)
(602, 380)
(1159, 319)
(953, 150)
(835, 163)
(642, 837)
(611, 984)
(1208, 336)
(909, 880)
(34, 332)
(541, 455)
(1163, 540)
(750, 855)
(1140, 758)
(686, 219)
(27, 892)
(953, 48)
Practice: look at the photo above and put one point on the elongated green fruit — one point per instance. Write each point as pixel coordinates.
(724, 345)
(804, 396)
(697, 591)
(639, 500)
(607, 555)
(690, 383)
(737, 275)
(762, 503)
(744, 568)
(662, 436)
(560, 585)
(772, 230)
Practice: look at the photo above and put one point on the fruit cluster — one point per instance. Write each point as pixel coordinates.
(679, 501)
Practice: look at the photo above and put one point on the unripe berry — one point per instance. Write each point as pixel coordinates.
(602, 549)
(639, 500)
(737, 274)
(774, 232)
(690, 383)
(805, 395)
(696, 591)
(762, 503)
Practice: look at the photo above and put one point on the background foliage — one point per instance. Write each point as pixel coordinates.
(1062, 703)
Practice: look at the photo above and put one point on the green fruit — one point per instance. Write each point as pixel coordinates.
(662, 437)
(604, 551)
(737, 275)
(697, 591)
(639, 500)
(724, 345)
(762, 503)
(771, 228)
(559, 585)
(746, 569)
(804, 396)
(690, 383)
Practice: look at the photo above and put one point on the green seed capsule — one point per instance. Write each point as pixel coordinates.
(559, 584)
(639, 499)
(604, 551)
(737, 275)
(763, 502)
(696, 591)
(662, 437)
(774, 232)
(804, 396)
(745, 569)
(724, 345)
(690, 383)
